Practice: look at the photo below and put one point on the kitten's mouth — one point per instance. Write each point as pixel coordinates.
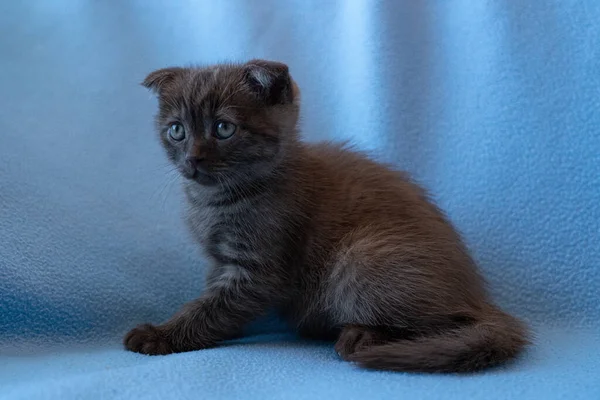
(202, 178)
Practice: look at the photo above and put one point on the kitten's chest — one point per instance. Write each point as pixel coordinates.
(236, 236)
(200, 221)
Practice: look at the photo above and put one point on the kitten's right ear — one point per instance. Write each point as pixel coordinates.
(158, 80)
(270, 80)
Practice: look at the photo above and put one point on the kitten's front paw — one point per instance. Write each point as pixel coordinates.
(147, 339)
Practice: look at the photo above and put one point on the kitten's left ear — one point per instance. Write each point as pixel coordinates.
(158, 80)
(270, 80)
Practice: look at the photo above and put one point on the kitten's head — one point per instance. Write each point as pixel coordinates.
(226, 123)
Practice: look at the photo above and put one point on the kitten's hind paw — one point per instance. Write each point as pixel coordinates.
(354, 338)
(147, 339)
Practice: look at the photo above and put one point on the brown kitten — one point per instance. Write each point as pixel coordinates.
(345, 248)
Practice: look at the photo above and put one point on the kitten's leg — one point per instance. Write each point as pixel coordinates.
(218, 315)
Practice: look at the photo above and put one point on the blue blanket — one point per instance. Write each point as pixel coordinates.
(492, 105)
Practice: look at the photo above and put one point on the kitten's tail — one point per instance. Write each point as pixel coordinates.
(495, 339)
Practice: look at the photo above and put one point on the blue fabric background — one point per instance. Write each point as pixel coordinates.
(493, 105)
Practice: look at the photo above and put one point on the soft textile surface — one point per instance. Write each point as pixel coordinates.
(492, 105)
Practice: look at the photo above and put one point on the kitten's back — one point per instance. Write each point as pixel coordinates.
(396, 259)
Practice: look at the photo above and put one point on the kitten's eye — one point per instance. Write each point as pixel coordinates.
(224, 129)
(177, 132)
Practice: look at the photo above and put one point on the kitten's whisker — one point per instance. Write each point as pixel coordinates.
(163, 191)
(167, 191)
(166, 194)
(157, 193)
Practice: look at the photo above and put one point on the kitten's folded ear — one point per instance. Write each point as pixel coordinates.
(270, 80)
(158, 80)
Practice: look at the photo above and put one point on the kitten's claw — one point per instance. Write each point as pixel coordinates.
(147, 339)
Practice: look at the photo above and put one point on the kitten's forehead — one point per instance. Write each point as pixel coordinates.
(218, 78)
(215, 84)
(224, 89)
(202, 90)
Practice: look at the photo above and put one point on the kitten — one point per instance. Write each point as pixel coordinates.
(345, 248)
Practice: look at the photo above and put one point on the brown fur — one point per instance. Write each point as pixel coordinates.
(345, 248)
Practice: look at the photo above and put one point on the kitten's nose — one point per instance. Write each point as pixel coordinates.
(193, 162)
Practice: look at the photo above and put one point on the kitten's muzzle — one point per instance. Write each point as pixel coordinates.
(193, 162)
(191, 167)
(195, 168)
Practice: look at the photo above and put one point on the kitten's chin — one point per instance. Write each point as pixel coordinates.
(201, 178)
(206, 180)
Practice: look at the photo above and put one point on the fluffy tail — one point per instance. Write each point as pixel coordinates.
(494, 340)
